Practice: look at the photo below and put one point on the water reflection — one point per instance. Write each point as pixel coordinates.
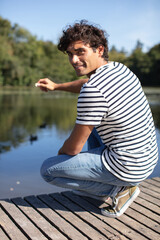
(22, 115)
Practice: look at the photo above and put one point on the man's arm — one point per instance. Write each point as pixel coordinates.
(74, 144)
(74, 87)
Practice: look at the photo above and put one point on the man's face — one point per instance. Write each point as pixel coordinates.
(82, 57)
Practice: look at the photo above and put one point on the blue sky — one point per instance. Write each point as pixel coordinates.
(126, 21)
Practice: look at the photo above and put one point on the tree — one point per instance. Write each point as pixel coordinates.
(154, 73)
(139, 63)
(117, 56)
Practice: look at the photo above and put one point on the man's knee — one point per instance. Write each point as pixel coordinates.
(45, 170)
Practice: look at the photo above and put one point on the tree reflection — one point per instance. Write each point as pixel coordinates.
(156, 115)
(22, 115)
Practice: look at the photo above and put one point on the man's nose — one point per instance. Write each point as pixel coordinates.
(74, 59)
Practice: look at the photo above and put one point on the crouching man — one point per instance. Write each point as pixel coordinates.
(113, 114)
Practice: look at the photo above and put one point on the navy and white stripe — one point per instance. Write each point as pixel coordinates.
(114, 102)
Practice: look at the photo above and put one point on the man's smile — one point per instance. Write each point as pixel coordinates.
(78, 66)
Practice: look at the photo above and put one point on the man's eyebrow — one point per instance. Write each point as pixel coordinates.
(76, 50)
(79, 49)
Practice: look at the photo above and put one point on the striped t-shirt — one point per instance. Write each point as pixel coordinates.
(113, 101)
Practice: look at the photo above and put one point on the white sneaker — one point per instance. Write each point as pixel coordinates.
(121, 202)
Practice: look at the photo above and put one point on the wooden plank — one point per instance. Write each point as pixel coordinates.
(152, 229)
(148, 213)
(149, 192)
(146, 230)
(53, 217)
(150, 186)
(139, 227)
(115, 224)
(68, 216)
(94, 227)
(41, 223)
(22, 221)
(153, 182)
(148, 205)
(143, 231)
(3, 236)
(72, 218)
(150, 198)
(10, 228)
(156, 179)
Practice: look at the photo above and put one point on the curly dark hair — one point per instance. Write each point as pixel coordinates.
(87, 33)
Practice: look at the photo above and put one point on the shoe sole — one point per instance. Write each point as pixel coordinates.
(124, 208)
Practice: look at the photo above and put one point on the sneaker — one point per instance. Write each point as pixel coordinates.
(85, 194)
(121, 202)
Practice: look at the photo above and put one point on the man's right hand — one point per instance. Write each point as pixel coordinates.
(46, 85)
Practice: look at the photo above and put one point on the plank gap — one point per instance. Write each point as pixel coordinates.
(39, 197)
(14, 221)
(46, 218)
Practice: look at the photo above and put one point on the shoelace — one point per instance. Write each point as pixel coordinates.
(115, 200)
(114, 203)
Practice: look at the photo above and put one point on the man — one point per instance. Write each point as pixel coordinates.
(123, 149)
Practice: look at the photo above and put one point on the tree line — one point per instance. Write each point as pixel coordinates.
(24, 59)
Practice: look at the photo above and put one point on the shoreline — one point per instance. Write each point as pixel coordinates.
(25, 89)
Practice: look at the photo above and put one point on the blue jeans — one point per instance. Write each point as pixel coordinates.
(84, 171)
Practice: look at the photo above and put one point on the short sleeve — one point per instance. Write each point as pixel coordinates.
(91, 107)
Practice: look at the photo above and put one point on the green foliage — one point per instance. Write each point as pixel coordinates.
(145, 65)
(117, 56)
(24, 59)
(154, 73)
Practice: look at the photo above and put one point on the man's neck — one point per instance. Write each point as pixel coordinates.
(104, 62)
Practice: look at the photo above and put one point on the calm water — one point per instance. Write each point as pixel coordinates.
(33, 127)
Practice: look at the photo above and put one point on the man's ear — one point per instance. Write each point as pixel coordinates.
(100, 50)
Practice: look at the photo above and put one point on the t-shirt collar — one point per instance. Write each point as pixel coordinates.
(102, 67)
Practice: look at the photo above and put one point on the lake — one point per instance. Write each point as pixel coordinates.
(33, 127)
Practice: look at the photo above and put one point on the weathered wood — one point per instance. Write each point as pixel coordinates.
(41, 223)
(149, 198)
(151, 228)
(143, 210)
(111, 224)
(139, 227)
(71, 218)
(53, 217)
(150, 186)
(148, 205)
(153, 182)
(94, 227)
(22, 221)
(68, 216)
(3, 236)
(150, 192)
(156, 179)
(10, 228)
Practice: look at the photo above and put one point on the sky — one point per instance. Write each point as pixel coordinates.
(125, 21)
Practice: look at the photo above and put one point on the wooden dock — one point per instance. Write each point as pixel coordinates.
(67, 216)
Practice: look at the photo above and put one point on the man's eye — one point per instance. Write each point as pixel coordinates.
(80, 52)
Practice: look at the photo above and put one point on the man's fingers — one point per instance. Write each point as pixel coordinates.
(37, 84)
(44, 84)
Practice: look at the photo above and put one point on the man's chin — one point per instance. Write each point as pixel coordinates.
(79, 74)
